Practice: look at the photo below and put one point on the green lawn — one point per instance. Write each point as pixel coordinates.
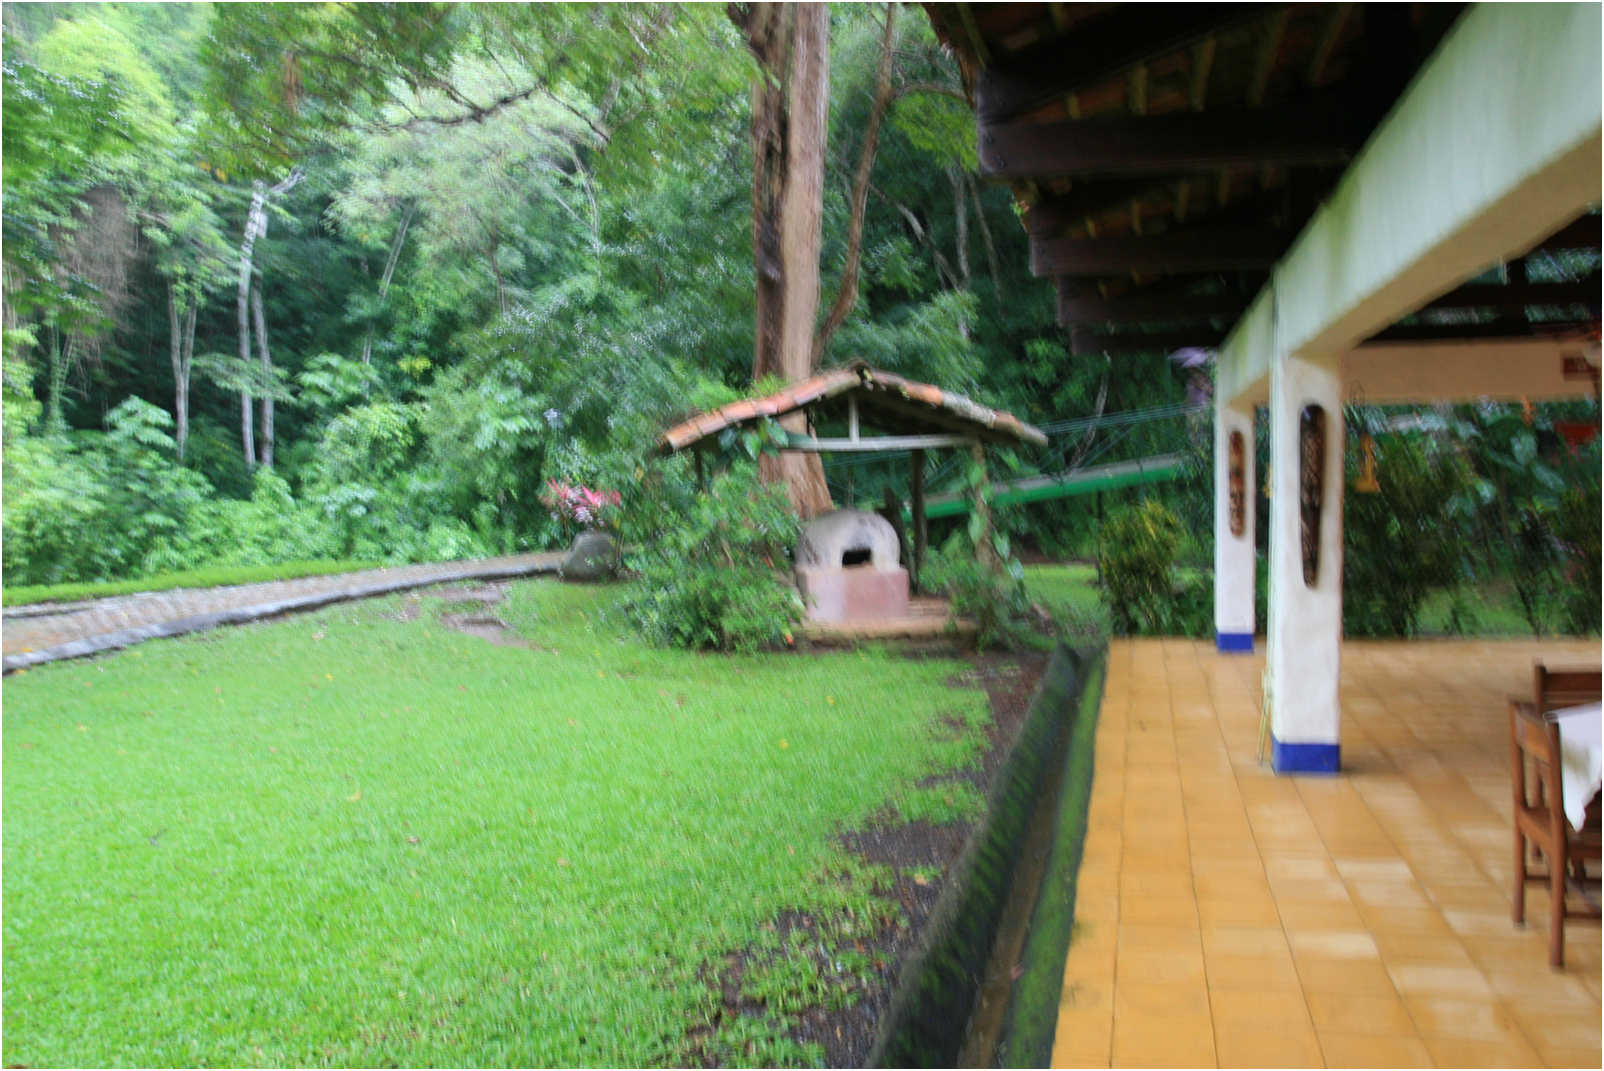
(1072, 585)
(351, 839)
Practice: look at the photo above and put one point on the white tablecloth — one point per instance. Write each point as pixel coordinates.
(1581, 746)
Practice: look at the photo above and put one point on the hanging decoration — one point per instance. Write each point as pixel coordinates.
(1236, 462)
(1311, 486)
(1367, 483)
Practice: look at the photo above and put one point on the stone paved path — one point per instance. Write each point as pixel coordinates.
(32, 635)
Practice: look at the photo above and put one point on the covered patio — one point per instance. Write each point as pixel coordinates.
(1225, 916)
(1348, 203)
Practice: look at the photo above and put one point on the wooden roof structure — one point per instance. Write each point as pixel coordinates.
(1166, 156)
(922, 415)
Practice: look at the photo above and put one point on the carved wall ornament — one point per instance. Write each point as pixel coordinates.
(1311, 486)
(1236, 467)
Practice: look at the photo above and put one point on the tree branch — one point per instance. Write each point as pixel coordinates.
(847, 296)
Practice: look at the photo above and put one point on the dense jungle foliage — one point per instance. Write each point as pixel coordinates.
(362, 296)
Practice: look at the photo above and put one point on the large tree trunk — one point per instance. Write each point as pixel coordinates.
(267, 374)
(789, 108)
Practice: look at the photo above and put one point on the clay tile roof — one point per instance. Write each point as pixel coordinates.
(985, 423)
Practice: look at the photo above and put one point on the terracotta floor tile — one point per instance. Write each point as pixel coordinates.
(1334, 944)
(1360, 1013)
(1373, 1050)
(1342, 975)
(1267, 1011)
(1150, 999)
(1183, 939)
(1519, 984)
(1255, 1046)
(1245, 941)
(1237, 911)
(1225, 971)
(1391, 895)
(1175, 882)
(1571, 1029)
(1163, 1041)
(1310, 891)
(1561, 1056)
(1451, 1017)
(1299, 916)
(1159, 910)
(1469, 1052)
(1158, 966)
(1420, 922)
(1416, 947)
(1442, 979)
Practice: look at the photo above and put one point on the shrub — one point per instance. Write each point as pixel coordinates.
(714, 567)
(1136, 560)
(996, 602)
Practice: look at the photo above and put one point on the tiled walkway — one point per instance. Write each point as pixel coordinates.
(1226, 916)
(32, 635)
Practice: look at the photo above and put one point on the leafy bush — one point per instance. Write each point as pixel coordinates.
(1136, 559)
(714, 571)
(996, 602)
(93, 506)
(1401, 542)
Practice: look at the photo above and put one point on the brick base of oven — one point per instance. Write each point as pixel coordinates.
(853, 594)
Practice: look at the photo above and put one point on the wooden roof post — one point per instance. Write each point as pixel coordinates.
(916, 493)
(985, 552)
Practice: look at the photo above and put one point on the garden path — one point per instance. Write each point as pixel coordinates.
(33, 635)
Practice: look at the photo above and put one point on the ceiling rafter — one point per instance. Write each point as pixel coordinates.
(1098, 49)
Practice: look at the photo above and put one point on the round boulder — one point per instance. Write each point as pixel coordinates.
(594, 556)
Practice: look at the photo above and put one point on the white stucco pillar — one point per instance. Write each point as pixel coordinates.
(1234, 498)
(1304, 633)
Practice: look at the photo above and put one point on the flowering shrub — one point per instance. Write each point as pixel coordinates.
(578, 506)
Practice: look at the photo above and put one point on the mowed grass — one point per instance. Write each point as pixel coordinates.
(1072, 584)
(351, 839)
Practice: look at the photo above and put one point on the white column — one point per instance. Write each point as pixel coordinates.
(1233, 550)
(1304, 632)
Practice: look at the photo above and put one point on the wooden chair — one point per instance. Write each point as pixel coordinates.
(1540, 819)
(1555, 689)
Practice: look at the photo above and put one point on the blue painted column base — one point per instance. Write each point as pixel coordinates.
(1234, 642)
(1305, 758)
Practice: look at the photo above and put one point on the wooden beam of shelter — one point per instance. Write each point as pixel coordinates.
(875, 444)
(1200, 250)
(1098, 49)
(1320, 132)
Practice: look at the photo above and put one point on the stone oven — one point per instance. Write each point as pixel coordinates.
(847, 567)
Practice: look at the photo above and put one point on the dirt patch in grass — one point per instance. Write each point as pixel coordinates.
(476, 619)
(857, 985)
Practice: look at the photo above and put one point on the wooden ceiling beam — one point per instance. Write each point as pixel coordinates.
(1143, 307)
(1012, 85)
(1520, 295)
(1583, 232)
(1317, 132)
(1496, 329)
(1084, 342)
(1192, 250)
